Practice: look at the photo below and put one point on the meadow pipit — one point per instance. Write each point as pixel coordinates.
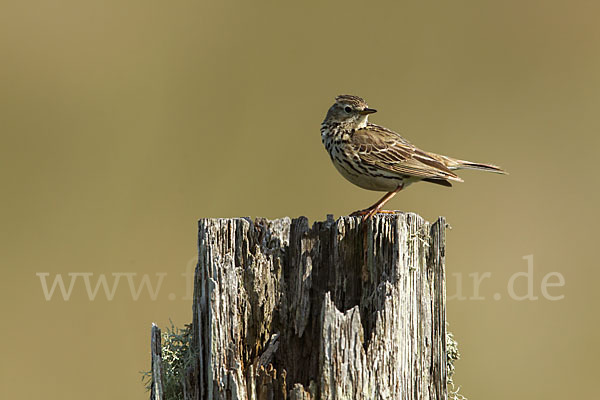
(376, 158)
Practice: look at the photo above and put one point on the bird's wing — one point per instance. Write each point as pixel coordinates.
(387, 150)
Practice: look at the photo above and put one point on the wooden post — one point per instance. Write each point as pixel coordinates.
(340, 310)
(156, 389)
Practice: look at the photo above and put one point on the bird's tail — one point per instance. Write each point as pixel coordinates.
(454, 164)
(462, 164)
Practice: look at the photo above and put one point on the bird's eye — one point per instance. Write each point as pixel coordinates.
(348, 109)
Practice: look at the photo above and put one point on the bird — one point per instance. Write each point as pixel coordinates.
(379, 159)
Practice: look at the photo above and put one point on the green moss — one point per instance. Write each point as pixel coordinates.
(177, 357)
(453, 355)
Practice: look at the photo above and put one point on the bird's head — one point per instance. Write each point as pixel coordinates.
(351, 112)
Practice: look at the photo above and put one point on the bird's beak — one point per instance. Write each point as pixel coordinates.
(367, 111)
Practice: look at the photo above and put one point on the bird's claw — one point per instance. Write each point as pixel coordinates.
(368, 213)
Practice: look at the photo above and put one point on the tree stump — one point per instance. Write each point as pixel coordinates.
(344, 309)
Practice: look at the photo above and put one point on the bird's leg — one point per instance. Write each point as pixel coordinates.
(376, 208)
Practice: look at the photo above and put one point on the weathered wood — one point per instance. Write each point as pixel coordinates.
(156, 389)
(282, 311)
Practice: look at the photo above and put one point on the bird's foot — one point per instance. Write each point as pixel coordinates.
(368, 213)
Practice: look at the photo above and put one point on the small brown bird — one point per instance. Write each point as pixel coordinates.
(376, 158)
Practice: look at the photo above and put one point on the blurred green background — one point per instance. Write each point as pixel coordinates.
(123, 122)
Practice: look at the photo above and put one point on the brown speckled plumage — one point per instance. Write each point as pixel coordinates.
(376, 158)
